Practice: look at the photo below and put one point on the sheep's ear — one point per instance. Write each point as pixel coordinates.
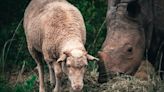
(89, 57)
(67, 53)
(61, 58)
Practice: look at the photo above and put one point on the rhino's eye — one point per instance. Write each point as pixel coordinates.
(130, 49)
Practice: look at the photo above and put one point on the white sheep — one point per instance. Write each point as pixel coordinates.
(56, 29)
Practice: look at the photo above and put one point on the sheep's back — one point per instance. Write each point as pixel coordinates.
(53, 22)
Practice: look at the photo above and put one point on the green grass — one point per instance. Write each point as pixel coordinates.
(26, 86)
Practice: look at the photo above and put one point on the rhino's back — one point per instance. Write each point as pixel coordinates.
(159, 16)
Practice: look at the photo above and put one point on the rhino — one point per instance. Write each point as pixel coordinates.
(134, 33)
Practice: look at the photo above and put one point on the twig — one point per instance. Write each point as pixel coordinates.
(3, 54)
(160, 63)
(13, 38)
(21, 72)
(95, 40)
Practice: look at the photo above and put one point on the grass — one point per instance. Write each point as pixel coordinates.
(26, 86)
(126, 83)
(123, 83)
(8, 63)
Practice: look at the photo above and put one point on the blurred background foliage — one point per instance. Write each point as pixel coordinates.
(13, 50)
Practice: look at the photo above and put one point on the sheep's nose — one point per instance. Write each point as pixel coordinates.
(77, 87)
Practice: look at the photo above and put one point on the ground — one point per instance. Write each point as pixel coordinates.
(120, 83)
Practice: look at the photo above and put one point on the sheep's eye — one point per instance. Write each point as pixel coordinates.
(80, 67)
(68, 66)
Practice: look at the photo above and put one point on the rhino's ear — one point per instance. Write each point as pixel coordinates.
(113, 3)
(90, 57)
(133, 9)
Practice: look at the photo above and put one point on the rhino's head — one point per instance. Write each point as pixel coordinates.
(123, 49)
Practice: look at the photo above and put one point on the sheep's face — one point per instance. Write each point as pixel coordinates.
(75, 66)
(75, 69)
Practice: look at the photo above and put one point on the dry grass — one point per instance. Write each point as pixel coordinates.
(120, 83)
(126, 83)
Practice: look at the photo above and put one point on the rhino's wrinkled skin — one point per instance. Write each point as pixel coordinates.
(135, 32)
(123, 48)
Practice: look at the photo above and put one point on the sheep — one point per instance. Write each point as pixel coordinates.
(56, 30)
